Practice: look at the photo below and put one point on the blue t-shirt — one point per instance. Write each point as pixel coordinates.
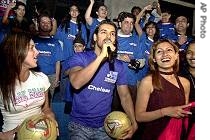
(167, 30)
(182, 47)
(50, 51)
(92, 102)
(129, 45)
(92, 28)
(145, 45)
(68, 37)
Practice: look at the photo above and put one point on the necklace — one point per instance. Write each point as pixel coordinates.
(166, 73)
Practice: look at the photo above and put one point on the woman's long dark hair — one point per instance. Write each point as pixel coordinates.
(65, 22)
(16, 25)
(13, 51)
(157, 33)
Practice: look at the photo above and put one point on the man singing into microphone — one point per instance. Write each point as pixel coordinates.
(93, 82)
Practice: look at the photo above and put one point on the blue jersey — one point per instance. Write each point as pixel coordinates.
(50, 51)
(167, 30)
(92, 28)
(128, 45)
(68, 37)
(182, 47)
(145, 45)
(93, 102)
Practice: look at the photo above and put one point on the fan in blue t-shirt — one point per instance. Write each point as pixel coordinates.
(92, 22)
(50, 52)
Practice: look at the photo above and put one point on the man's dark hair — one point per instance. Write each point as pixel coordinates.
(99, 4)
(134, 8)
(157, 33)
(43, 15)
(18, 3)
(124, 15)
(79, 39)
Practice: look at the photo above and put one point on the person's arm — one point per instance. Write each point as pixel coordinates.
(79, 76)
(128, 106)
(158, 9)
(143, 94)
(186, 84)
(6, 13)
(88, 18)
(46, 107)
(54, 27)
(57, 73)
(9, 135)
(46, 110)
(138, 17)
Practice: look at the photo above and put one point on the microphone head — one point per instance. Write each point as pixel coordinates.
(108, 41)
(109, 50)
(111, 54)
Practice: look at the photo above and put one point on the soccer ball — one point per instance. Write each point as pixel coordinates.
(37, 127)
(115, 123)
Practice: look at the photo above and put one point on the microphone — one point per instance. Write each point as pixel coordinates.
(110, 58)
(110, 55)
(109, 49)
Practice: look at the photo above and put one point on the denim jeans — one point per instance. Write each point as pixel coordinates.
(80, 132)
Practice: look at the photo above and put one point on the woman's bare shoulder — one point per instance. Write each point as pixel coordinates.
(147, 78)
(184, 81)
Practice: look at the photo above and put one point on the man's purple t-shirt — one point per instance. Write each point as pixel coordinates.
(92, 103)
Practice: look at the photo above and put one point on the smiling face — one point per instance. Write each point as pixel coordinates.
(78, 47)
(45, 24)
(20, 11)
(190, 55)
(127, 25)
(165, 17)
(151, 30)
(165, 56)
(31, 56)
(74, 11)
(102, 12)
